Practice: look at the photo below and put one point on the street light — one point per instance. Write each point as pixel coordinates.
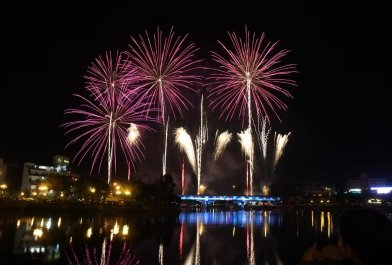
(3, 187)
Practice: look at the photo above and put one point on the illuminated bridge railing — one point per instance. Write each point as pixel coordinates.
(207, 199)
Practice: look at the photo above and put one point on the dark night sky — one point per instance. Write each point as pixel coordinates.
(339, 117)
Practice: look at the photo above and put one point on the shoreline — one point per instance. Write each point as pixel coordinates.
(24, 207)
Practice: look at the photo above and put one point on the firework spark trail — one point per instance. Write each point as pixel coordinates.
(184, 141)
(101, 122)
(201, 139)
(126, 256)
(262, 136)
(221, 142)
(164, 68)
(280, 144)
(164, 157)
(246, 141)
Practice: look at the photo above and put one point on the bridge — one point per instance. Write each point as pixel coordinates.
(207, 200)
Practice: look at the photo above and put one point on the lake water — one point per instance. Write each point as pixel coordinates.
(210, 237)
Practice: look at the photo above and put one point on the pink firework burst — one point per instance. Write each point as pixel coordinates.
(164, 68)
(91, 256)
(109, 74)
(253, 64)
(103, 121)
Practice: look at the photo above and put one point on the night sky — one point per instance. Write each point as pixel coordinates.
(339, 117)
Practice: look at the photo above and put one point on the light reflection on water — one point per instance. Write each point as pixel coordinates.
(211, 237)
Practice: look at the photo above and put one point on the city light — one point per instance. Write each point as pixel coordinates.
(382, 190)
(355, 190)
(125, 230)
(38, 232)
(89, 232)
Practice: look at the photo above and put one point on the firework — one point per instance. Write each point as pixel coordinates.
(164, 70)
(107, 118)
(221, 142)
(280, 144)
(262, 135)
(246, 141)
(201, 139)
(133, 134)
(109, 75)
(184, 141)
(126, 257)
(252, 71)
(160, 254)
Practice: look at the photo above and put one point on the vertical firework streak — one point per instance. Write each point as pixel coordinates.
(126, 256)
(246, 141)
(252, 71)
(220, 144)
(104, 117)
(262, 136)
(164, 158)
(280, 144)
(201, 139)
(163, 68)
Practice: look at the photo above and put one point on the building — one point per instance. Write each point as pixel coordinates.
(3, 171)
(364, 184)
(35, 176)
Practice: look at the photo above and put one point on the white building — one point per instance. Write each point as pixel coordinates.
(34, 176)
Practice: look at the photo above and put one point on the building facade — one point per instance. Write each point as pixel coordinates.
(34, 179)
(3, 171)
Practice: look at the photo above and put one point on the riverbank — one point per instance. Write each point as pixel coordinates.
(44, 207)
(78, 208)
